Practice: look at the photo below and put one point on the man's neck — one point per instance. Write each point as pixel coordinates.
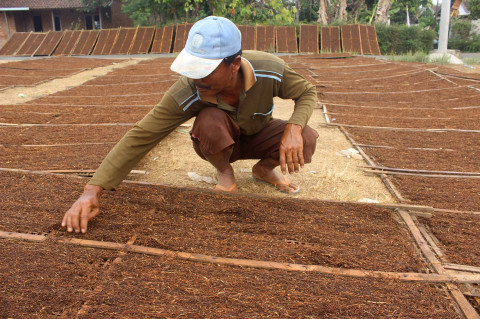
(231, 94)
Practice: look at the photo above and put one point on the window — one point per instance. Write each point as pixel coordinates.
(37, 23)
(56, 21)
(88, 22)
(92, 21)
(96, 23)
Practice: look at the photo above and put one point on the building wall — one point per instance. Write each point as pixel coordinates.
(46, 20)
(115, 18)
(7, 26)
(70, 19)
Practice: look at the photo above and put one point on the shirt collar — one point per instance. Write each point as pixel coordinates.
(249, 80)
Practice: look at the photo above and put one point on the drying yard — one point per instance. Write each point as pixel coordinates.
(162, 251)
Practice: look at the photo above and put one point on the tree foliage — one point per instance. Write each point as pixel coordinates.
(280, 12)
(92, 5)
(474, 7)
(161, 12)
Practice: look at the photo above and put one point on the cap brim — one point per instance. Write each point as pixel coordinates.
(193, 67)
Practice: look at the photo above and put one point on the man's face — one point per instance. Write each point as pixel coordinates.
(221, 78)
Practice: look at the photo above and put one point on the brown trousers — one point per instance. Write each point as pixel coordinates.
(213, 131)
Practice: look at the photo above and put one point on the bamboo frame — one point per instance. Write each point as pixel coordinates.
(359, 273)
(395, 169)
(421, 175)
(465, 306)
(433, 130)
(407, 148)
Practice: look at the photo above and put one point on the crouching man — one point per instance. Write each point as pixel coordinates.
(230, 94)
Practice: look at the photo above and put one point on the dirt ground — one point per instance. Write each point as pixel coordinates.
(329, 176)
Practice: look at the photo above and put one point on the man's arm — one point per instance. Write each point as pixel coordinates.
(295, 87)
(147, 133)
(137, 142)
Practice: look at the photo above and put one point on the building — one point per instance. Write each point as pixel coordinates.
(57, 15)
(459, 9)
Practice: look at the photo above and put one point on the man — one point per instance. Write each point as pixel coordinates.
(231, 97)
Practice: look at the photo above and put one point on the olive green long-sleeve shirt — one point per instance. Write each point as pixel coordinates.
(265, 77)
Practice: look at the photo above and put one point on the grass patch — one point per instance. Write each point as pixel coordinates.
(420, 57)
(472, 61)
(410, 57)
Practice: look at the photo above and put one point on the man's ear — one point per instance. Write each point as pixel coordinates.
(236, 63)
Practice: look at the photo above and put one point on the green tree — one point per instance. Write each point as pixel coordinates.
(147, 12)
(415, 10)
(474, 7)
(92, 5)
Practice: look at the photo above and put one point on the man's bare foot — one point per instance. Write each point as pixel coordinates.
(232, 189)
(226, 181)
(271, 176)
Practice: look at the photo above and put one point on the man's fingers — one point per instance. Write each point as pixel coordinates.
(84, 221)
(295, 162)
(69, 223)
(301, 160)
(283, 165)
(77, 214)
(64, 220)
(290, 162)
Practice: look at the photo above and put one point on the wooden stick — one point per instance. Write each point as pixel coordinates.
(407, 148)
(395, 169)
(422, 175)
(382, 107)
(421, 242)
(457, 76)
(85, 171)
(431, 241)
(466, 107)
(473, 88)
(104, 96)
(442, 77)
(441, 210)
(463, 303)
(22, 236)
(327, 119)
(406, 207)
(374, 146)
(59, 125)
(421, 277)
(465, 268)
(432, 130)
(58, 145)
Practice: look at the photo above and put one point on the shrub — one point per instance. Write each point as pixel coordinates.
(470, 44)
(403, 39)
(460, 28)
(460, 38)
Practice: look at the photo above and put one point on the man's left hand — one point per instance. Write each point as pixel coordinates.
(291, 149)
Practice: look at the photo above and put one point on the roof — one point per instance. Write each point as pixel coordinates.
(459, 8)
(41, 4)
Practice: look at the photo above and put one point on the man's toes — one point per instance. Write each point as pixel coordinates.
(288, 188)
(232, 188)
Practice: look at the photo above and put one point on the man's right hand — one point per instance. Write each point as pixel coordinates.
(85, 208)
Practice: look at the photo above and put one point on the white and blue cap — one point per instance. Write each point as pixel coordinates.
(210, 40)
